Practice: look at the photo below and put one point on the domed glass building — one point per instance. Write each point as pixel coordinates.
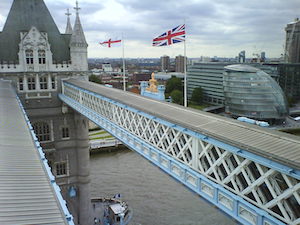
(252, 93)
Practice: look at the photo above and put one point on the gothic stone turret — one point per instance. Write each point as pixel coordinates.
(78, 45)
(35, 56)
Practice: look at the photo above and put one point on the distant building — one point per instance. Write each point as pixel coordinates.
(179, 64)
(106, 67)
(205, 59)
(262, 56)
(242, 57)
(209, 76)
(165, 63)
(166, 76)
(292, 42)
(289, 80)
(116, 81)
(138, 77)
(252, 93)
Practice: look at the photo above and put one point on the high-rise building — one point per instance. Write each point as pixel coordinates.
(292, 42)
(262, 56)
(242, 57)
(165, 63)
(179, 64)
(35, 56)
(289, 80)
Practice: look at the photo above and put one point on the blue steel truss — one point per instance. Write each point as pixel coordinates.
(233, 179)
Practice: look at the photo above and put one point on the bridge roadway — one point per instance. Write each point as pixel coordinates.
(276, 146)
(28, 192)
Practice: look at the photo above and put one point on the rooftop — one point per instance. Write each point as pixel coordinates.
(19, 20)
(241, 68)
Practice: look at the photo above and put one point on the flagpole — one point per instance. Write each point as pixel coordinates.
(185, 78)
(124, 78)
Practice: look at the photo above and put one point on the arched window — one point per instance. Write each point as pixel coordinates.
(42, 131)
(42, 56)
(29, 56)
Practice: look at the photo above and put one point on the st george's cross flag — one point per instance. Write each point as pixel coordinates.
(109, 42)
(176, 35)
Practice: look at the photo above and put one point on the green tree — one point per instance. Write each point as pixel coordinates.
(291, 101)
(95, 79)
(197, 96)
(177, 97)
(174, 83)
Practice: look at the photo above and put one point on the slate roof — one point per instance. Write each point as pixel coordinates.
(77, 34)
(22, 16)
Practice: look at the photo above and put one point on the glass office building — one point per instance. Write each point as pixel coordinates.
(289, 80)
(253, 93)
(209, 76)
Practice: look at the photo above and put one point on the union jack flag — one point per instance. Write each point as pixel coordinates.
(173, 36)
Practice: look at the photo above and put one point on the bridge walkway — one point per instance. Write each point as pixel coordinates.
(277, 146)
(251, 173)
(28, 192)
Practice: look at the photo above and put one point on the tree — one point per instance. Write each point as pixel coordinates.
(291, 101)
(177, 96)
(174, 83)
(197, 96)
(95, 79)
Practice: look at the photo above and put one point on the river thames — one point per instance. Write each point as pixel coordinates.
(155, 197)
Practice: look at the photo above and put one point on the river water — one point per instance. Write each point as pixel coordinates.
(156, 198)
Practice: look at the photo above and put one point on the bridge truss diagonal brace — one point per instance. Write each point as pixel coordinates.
(231, 203)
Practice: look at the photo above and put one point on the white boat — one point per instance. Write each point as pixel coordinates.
(111, 211)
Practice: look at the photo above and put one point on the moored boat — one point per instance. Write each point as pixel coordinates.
(111, 211)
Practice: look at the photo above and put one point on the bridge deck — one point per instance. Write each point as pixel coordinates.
(277, 146)
(26, 195)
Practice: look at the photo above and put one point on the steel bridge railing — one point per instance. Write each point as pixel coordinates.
(247, 189)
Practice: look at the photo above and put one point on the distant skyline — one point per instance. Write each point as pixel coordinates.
(214, 28)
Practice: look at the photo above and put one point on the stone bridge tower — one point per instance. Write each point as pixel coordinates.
(35, 56)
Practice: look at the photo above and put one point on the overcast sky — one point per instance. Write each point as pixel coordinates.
(214, 27)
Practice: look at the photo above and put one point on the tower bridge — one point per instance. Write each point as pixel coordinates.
(249, 172)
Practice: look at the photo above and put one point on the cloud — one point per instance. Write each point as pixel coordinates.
(4, 9)
(219, 27)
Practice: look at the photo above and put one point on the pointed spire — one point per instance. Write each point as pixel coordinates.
(77, 8)
(69, 27)
(78, 38)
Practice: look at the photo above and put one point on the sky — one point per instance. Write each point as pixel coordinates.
(220, 28)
